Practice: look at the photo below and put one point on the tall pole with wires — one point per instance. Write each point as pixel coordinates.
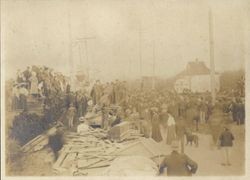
(153, 83)
(140, 55)
(212, 66)
(85, 40)
(71, 64)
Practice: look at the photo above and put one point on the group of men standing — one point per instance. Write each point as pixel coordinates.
(109, 93)
(37, 82)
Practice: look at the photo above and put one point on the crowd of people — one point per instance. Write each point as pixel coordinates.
(36, 81)
(160, 114)
(154, 112)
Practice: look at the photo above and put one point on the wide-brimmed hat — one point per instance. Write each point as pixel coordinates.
(90, 102)
(175, 145)
(81, 119)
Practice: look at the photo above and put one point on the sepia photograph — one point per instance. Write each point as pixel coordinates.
(145, 88)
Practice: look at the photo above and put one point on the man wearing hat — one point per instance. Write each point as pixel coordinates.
(226, 142)
(83, 126)
(178, 164)
(55, 141)
(23, 94)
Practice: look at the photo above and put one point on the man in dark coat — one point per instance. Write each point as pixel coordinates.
(56, 141)
(234, 109)
(226, 142)
(178, 164)
(240, 112)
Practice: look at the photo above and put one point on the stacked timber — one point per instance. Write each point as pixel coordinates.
(85, 151)
(38, 142)
(122, 132)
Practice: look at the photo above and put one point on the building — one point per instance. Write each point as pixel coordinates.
(196, 77)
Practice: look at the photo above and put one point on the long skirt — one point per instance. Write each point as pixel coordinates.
(23, 102)
(15, 103)
(156, 134)
(171, 134)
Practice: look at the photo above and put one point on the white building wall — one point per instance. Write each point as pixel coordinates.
(196, 83)
(181, 84)
(202, 83)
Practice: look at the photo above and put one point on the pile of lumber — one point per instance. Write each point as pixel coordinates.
(132, 166)
(85, 151)
(122, 132)
(37, 143)
(93, 150)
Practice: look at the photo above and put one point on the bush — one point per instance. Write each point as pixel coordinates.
(27, 126)
(13, 150)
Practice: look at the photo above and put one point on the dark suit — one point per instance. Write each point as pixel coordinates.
(226, 138)
(178, 165)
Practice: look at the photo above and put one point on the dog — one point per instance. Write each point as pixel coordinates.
(192, 138)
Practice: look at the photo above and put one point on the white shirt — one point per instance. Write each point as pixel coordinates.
(82, 128)
(171, 120)
(23, 91)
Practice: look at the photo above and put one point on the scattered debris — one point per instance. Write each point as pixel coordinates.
(93, 150)
(38, 142)
(132, 166)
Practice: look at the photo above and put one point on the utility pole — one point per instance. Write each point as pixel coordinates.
(153, 84)
(140, 32)
(140, 55)
(71, 64)
(80, 53)
(85, 41)
(212, 66)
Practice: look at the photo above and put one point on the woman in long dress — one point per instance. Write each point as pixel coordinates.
(34, 84)
(163, 123)
(146, 123)
(171, 131)
(156, 134)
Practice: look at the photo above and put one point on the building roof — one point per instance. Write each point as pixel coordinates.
(195, 68)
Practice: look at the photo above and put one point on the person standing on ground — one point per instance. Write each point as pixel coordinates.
(226, 143)
(178, 164)
(23, 94)
(215, 122)
(83, 127)
(171, 129)
(180, 132)
(56, 141)
(156, 134)
(33, 84)
(202, 109)
(164, 123)
(234, 108)
(70, 115)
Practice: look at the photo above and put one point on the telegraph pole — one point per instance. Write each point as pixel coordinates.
(80, 53)
(140, 55)
(71, 64)
(212, 66)
(140, 31)
(85, 41)
(153, 84)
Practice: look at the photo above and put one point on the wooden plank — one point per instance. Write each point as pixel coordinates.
(61, 157)
(67, 162)
(82, 164)
(30, 144)
(35, 141)
(31, 141)
(57, 164)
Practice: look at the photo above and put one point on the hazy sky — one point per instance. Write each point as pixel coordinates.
(176, 31)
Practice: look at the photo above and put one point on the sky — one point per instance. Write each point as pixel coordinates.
(167, 33)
